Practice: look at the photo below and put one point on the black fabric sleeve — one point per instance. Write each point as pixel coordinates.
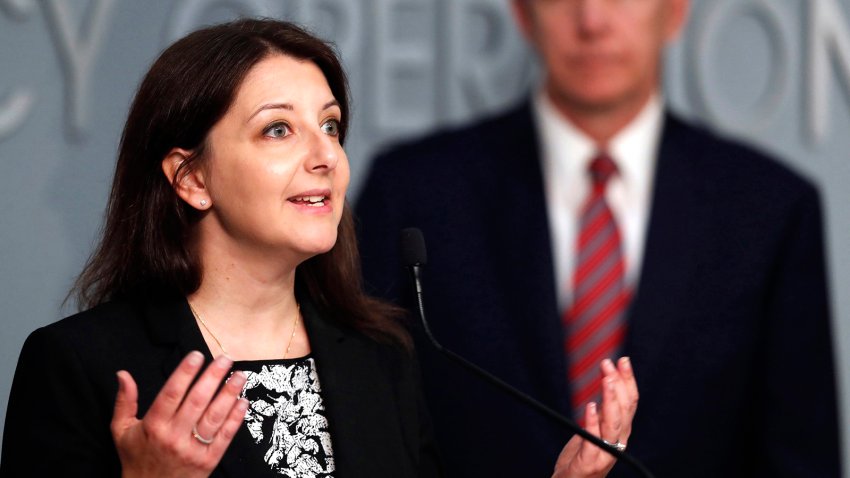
(800, 423)
(57, 424)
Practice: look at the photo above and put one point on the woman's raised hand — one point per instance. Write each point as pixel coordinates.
(186, 430)
(611, 422)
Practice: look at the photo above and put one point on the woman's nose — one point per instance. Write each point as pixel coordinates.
(324, 153)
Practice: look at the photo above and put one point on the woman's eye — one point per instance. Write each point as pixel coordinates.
(331, 127)
(276, 130)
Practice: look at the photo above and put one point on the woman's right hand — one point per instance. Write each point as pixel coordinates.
(169, 440)
(611, 422)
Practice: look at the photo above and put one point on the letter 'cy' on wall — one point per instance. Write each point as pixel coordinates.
(78, 48)
(15, 105)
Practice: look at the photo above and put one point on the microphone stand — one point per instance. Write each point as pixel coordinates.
(415, 272)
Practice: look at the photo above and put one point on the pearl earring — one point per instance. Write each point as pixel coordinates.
(203, 202)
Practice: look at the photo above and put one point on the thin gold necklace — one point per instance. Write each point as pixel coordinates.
(224, 351)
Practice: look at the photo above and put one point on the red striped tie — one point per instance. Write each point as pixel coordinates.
(595, 323)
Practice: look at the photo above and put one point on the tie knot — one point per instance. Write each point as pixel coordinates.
(601, 169)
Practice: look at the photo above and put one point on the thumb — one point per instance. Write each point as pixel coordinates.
(126, 404)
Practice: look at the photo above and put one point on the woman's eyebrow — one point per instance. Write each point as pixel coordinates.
(272, 106)
(287, 106)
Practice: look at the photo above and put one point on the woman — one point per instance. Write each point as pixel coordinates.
(227, 237)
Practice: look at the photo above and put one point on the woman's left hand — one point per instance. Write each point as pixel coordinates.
(169, 441)
(582, 459)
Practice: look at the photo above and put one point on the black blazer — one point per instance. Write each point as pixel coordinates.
(728, 330)
(57, 422)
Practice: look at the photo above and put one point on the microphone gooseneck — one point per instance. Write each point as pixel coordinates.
(414, 256)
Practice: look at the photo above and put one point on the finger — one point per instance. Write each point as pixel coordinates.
(202, 393)
(620, 389)
(624, 365)
(590, 459)
(229, 427)
(588, 452)
(221, 406)
(126, 403)
(610, 424)
(171, 395)
(626, 391)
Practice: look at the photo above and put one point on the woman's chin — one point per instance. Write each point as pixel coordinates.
(313, 246)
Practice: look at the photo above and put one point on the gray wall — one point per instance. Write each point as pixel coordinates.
(773, 72)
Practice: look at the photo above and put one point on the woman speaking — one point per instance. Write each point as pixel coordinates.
(228, 241)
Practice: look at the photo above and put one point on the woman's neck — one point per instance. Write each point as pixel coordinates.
(246, 305)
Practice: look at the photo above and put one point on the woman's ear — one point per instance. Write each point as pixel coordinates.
(190, 184)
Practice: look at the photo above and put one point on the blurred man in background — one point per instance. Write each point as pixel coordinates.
(590, 222)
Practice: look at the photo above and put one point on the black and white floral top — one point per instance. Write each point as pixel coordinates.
(287, 428)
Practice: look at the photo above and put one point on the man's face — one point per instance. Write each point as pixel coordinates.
(600, 54)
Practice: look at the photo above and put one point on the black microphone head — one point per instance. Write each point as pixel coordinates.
(413, 247)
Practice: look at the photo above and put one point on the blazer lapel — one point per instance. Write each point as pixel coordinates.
(171, 324)
(526, 254)
(359, 407)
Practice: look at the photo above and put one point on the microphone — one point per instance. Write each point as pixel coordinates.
(414, 256)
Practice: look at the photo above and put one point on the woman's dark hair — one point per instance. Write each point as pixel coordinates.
(145, 251)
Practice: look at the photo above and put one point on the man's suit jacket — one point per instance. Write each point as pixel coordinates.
(61, 403)
(728, 329)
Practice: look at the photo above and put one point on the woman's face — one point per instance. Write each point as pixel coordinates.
(275, 171)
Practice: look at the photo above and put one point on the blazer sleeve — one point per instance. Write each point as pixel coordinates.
(800, 435)
(56, 422)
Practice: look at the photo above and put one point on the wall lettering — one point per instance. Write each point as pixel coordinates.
(14, 110)
(467, 57)
(17, 9)
(709, 101)
(827, 34)
(77, 48)
(15, 105)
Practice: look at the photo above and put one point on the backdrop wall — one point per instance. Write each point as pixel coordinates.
(773, 72)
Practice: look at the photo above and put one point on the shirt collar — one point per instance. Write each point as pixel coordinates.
(633, 149)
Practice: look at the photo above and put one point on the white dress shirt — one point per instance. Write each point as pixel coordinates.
(566, 153)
